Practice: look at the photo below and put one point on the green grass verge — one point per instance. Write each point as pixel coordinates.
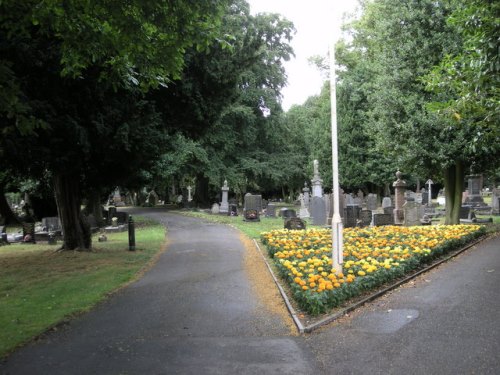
(251, 229)
(40, 287)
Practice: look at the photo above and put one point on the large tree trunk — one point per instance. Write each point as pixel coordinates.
(453, 185)
(94, 206)
(5, 210)
(76, 231)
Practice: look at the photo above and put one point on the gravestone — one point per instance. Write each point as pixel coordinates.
(386, 202)
(399, 188)
(51, 224)
(271, 210)
(425, 196)
(252, 208)
(474, 197)
(365, 218)
(467, 215)
(351, 215)
(382, 219)
(294, 223)
(304, 211)
(389, 210)
(306, 195)
(328, 206)
(153, 198)
(495, 201)
(233, 210)
(317, 188)
(419, 198)
(215, 209)
(371, 202)
(349, 200)
(411, 212)
(287, 213)
(318, 211)
(224, 205)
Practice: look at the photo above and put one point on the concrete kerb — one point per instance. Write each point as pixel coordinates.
(329, 319)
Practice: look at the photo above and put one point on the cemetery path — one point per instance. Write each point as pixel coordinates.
(195, 312)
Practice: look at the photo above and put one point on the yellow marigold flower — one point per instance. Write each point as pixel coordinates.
(361, 273)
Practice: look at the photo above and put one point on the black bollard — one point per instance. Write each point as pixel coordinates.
(131, 234)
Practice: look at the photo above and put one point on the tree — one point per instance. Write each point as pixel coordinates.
(467, 83)
(55, 54)
(399, 44)
(223, 114)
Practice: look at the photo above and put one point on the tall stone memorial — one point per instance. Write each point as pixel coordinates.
(224, 205)
(399, 198)
(317, 188)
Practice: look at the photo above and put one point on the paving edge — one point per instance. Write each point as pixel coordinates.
(329, 319)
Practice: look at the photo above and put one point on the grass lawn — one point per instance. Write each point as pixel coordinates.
(40, 287)
(251, 229)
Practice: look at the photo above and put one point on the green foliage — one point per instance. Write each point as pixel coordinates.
(470, 76)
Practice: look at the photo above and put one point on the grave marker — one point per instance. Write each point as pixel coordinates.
(318, 211)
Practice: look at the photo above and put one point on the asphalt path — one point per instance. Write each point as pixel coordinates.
(195, 312)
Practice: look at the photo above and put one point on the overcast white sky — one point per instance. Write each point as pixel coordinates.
(313, 21)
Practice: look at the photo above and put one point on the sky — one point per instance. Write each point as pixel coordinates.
(313, 22)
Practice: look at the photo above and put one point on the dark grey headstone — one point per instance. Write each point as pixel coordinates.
(252, 208)
(388, 210)
(467, 214)
(51, 224)
(232, 210)
(351, 215)
(288, 213)
(271, 210)
(382, 219)
(365, 218)
(294, 223)
(253, 202)
(425, 197)
(318, 211)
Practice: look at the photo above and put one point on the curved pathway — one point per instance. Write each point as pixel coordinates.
(196, 312)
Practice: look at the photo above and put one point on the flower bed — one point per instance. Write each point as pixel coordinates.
(372, 257)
